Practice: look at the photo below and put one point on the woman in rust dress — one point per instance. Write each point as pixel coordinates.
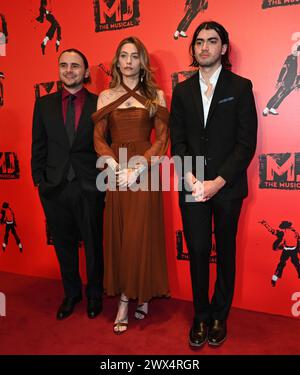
(134, 255)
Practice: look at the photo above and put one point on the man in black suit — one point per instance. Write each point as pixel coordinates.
(213, 115)
(63, 167)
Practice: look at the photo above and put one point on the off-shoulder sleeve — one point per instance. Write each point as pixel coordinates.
(100, 119)
(161, 126)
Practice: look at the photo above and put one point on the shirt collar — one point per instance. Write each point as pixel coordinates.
(214, 78)
(79, 94)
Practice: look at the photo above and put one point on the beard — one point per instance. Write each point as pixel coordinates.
(72, 81)
(208, 63)
(73, 84)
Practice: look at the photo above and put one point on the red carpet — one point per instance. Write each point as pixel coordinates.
(30, 327)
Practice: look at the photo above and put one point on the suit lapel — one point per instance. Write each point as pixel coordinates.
(196, 91)
(219, 92)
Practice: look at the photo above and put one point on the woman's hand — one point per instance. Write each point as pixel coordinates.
(126, 177)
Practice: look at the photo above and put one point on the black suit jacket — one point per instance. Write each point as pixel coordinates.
(228, 141)
(52, 153)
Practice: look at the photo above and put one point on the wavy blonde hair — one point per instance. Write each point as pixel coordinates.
(148, 86)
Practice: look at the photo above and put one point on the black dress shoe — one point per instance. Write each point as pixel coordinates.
(94, 307)
(198, 334)
(217, 332)
(67, 307)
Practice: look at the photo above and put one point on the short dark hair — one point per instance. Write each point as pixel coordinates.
(223, 34)
(84, 59)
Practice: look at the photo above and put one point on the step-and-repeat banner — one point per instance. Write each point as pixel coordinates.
(265, 37)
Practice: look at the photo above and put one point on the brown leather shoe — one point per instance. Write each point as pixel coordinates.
(217, 332)
(198, 334)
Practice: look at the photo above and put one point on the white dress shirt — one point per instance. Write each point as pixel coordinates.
(205, 100)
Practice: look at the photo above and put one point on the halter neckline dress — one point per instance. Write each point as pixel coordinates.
(134, 233)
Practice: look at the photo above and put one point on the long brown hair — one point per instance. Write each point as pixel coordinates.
(147, 86)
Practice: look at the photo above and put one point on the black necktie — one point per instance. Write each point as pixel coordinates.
(70, 128)
(70, 118)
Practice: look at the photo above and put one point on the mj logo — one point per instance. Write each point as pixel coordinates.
(9, 166)
(181, 255)
(2, 304)
(44, 88)
(278, 3)
(181, 76)
(279, 171)
(116, 14)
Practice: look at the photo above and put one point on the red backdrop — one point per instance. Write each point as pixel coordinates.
(261, 41)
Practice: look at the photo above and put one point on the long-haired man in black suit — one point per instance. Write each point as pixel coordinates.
(213, 115)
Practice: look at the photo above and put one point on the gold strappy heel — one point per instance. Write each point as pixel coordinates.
(121, 322)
